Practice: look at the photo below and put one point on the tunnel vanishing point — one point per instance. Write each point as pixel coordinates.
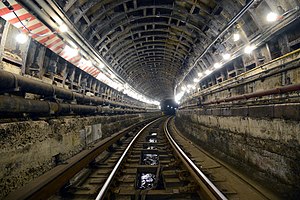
(149, 99)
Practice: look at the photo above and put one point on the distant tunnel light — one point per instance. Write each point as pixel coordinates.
(21, 38)
(217, 65)
(226, 56)
(70, 51)
(63, 28)
(272, 17)
(248, 49)
(236, 37)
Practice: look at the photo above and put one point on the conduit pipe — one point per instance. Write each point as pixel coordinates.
(10, 105)
(11, 82)
(278, 90)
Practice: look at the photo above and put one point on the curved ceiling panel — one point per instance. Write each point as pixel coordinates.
(150, 43)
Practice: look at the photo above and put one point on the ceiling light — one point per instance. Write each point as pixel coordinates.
(226, 56)
(272, 17)
(248, 49)
(21, 38)
(196, 80)
(89, 63)
(113, 76)
(207, 72)
(200, 74)
(70, 51)
(217, 65)
(236, 37)
(63, 28)
(101, 65)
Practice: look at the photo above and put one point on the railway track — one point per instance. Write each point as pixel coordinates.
(149, 161)
(143, 167)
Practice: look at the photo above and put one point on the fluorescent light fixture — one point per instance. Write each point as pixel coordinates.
(70, 51)
(63, 28)
(236, 37)
(21, 38)
(226, 56)
(272, 17)
(217, 65)
(207, 72)
(248, 49)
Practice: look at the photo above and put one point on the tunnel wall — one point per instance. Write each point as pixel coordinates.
(260, 135)
(30, 148)
(267, 149)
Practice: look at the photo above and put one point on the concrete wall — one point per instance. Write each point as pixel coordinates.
(30, 148)
(267, 149)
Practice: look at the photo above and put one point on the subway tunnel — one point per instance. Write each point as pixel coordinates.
(150, 99)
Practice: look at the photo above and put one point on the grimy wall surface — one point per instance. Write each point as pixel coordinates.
(30, 148)
(258, 133)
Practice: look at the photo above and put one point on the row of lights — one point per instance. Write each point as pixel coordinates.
(271, 17)
(71, 52)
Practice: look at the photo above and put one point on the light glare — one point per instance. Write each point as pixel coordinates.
(207, 72)
(196, 80)
(200, 74)
(21, 38)
(248, 49)
(89, 63)
(236, 37)
(63, 28)
(217, 65)
(101, 65)
(70, 51)
(272, 17)
(226, 56)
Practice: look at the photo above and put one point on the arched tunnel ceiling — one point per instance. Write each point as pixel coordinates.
(150, 43)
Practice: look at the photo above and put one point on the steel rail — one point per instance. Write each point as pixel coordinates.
(215, 192)
(120, 161)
